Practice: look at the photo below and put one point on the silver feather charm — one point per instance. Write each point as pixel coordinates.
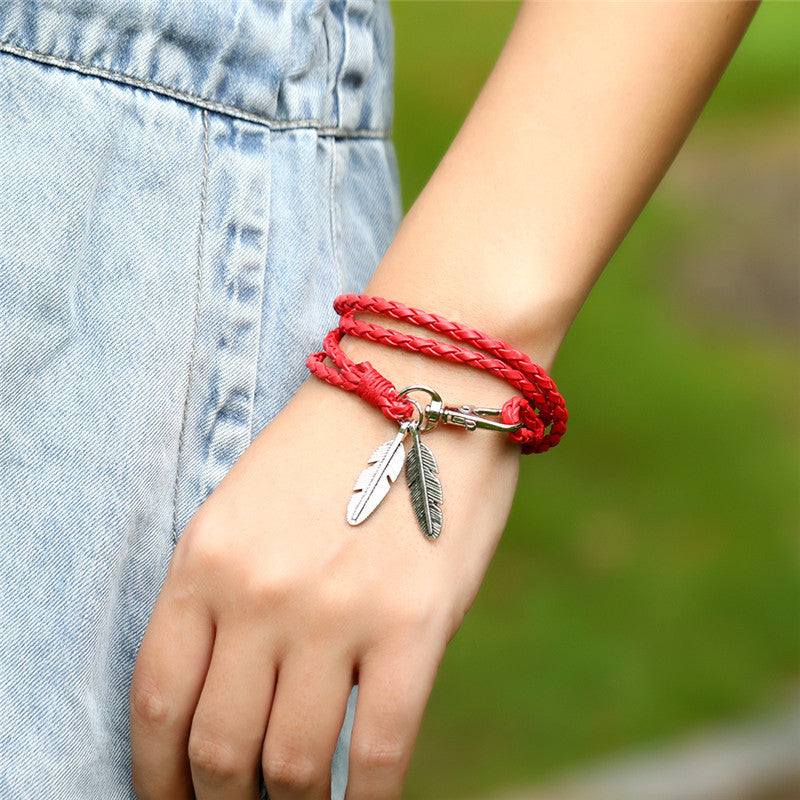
(374, 482)
(426, 490)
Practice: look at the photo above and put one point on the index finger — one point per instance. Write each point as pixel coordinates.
(167, 681)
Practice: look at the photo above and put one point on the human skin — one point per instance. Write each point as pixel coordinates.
(273, 606)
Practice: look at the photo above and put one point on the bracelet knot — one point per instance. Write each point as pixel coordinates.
(519, 409)
(371, 386)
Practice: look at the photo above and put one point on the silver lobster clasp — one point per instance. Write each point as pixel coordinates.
(472, 418)
(464, 416)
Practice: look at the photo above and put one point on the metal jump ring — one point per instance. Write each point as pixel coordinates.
(435, 398)
(415, 423)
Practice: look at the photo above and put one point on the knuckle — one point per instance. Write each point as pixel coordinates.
(266, 591)
(292, 771)
(206, 562)
(378, 753)
(200, 545)
(149, 706)
(415, 614)
(212, 760)
(337, 599)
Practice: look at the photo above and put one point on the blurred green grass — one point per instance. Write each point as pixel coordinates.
(648, 580)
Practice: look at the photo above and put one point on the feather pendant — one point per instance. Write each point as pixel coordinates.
(426, 490)
(374, 482)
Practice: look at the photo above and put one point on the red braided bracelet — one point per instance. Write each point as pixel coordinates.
(536, 420)
(538, 417)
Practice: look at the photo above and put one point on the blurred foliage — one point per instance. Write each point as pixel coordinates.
(647, 582)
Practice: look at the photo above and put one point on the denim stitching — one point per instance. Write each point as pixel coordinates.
(334, 220)
(260, 323)
(185, 97)
(334, 172)
(340, 70)
(196, 325)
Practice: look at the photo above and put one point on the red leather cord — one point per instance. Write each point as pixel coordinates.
(541, 407)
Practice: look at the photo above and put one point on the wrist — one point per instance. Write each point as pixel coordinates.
(534, 416)
(532, 320)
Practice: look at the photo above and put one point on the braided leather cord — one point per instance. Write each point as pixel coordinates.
(541, 408)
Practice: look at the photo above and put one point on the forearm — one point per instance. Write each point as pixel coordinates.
(577, 124)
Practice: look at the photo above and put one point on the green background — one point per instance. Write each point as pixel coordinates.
(647, 583)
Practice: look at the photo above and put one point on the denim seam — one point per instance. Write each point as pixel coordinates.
(340, 69)
(260, 322)
(190, 99)
(196, 326)
(334, 220)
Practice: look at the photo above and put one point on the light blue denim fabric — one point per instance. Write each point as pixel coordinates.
(185, 185)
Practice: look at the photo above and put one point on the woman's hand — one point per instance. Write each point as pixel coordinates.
(273, 607)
